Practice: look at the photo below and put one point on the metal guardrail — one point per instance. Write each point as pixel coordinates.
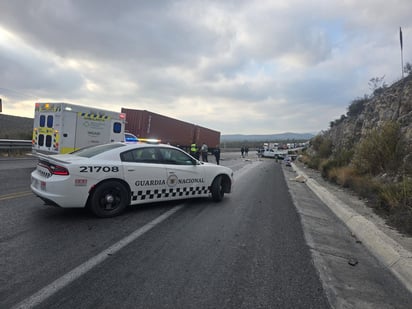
(9, 145)
(14, 144)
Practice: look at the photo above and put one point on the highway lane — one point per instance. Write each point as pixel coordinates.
(206, 255)
(247, 252)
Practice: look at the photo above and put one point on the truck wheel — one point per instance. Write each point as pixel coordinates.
(109, 199)
(217, 189)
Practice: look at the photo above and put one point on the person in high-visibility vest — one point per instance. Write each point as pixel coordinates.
(194, 151)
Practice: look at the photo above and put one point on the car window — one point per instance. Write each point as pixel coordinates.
(91, 151)
(175, 156)
(145, 155)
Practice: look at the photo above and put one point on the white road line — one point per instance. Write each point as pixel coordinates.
(80, 270)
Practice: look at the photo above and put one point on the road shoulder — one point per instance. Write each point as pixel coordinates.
(353, 276)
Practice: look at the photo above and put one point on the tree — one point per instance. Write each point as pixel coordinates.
(407, 68)
(377, 85)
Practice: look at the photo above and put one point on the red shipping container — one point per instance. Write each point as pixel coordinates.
(146, 124)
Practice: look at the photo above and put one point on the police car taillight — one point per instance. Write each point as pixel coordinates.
(58, 170)
(55, 169)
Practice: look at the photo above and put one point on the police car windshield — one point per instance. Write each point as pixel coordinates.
(92, 151)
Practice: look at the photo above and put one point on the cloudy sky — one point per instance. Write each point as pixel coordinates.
(247, 67)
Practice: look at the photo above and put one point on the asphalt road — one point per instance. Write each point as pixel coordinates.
(258, 248)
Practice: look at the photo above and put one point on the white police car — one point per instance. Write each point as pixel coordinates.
(107, 178)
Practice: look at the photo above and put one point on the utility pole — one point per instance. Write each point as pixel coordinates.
(400, 39)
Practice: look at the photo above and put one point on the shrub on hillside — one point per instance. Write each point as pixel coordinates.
(343, 157)
(357, 106)
(311, 161)
(338, 159)
(322, 146)
(396, 195)
(396, 200)
(314, 162)
(326, 167)
(337, 122)
(364, 186)
(381, 151)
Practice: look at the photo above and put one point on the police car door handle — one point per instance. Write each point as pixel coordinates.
(131, 170)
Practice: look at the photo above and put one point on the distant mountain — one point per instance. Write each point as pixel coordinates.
(266, 137)
(21, 128)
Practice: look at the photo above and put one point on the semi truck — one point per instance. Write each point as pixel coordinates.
(146, 124)
(63, 127)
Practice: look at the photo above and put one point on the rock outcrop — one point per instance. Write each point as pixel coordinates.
(393, 103)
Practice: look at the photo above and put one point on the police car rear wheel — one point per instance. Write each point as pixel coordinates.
(109, 199)
(217, 189)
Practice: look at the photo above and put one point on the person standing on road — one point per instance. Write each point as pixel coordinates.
(203, 151)
(216, 152)
(242, 151)
(246, 151)
(194, 151)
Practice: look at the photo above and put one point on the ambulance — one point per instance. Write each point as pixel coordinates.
(62, 127)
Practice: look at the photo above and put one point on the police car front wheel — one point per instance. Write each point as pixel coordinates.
(217, 189)
(109, 199)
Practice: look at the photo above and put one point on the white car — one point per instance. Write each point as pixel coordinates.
(273, 153)
(107, 178)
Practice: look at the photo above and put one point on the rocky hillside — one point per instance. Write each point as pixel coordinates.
(369, 150)
(392, 103)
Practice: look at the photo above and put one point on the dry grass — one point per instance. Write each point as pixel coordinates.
(343, 176)
(396, 195)
(392, 200)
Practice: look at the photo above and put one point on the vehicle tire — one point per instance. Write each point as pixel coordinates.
(217, 189)
(109, 199)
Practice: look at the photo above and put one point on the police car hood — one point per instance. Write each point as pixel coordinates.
(207, 163)
(218, 167)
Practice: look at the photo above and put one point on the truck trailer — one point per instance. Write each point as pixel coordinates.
(208, 136)
(146, 124)
(63, 127)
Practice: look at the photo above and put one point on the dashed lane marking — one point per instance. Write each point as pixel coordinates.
(82, 269)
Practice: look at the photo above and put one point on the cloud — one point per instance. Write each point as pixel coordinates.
(234, 66)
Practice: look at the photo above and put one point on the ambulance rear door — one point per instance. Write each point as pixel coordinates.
(46, 125)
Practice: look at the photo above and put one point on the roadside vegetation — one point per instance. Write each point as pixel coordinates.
(12, 127)
(378, 168)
